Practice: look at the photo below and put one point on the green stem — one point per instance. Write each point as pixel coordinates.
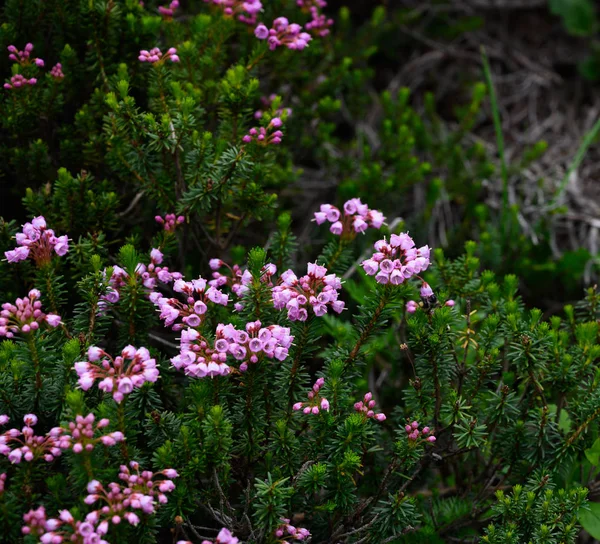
(368, 329)
(36, 368)
(121, 421)
(302, 341)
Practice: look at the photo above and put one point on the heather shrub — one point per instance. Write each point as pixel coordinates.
(177, 365)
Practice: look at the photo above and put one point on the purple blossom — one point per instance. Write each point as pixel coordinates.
(25, 315)
(317, 290)
(396, 261)
(120, 375)
(38, 242)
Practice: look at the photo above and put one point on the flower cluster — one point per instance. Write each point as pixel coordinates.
(24, 445)
(357, 217)
(193, 309)
(117, 376)
(266, 102)
(265, 136)
(2, 482)
(56, 71)
(238, 280)
(155, 55)
(24, 57)
(37, 241)
(319, 23)
(141, 492)
(18, 80)
(367, 405)
(316, 289)
(170, 221)
(167, 12)
(25, 315)
(83, 433)
(224, 537)
(199, 358)
(316, 402)
(152, 273)
(414, 433)
(283, 33)
(396, 261)
(286, 530)
(245, 10)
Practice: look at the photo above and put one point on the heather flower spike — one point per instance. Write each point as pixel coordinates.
(38, 242)
(419, 435)
(316, 403)
(287, 531)
(155, 56)
(245, 11)
(25, 316)
(356, 217)
(237, 280)
(86, 434)
(139, 493)
(271, 135)
(170, 221)
(396, 261)
(167, 12)
(200, 358)
(24, 57)
(118, 376)
(316, 290)
(191, 312)
(367, 407)
(25, 445)
(283, 33)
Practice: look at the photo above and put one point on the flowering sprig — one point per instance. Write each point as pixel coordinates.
(153, 273)
(139, 491)
(414, 434)
(271, 135)
(24, 57)
(319, 24)
(65, 528)
(18, 80)
(200, 358)
(38, 242)
(155, 56)
(316, 402)
(83, 434)
(56, 71)
(287, 531)
(191, 312)
(283, 33)
(246, 11)
(167, 12)
(2, 482)
(25, 315)
(120, 375)
(357, 217)
(224, 537)
(367, 405)
(238, 280)
(24, 445)
(397, 260)
(317, 290)
(170, 221)
(150, 275)
(266, 102)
